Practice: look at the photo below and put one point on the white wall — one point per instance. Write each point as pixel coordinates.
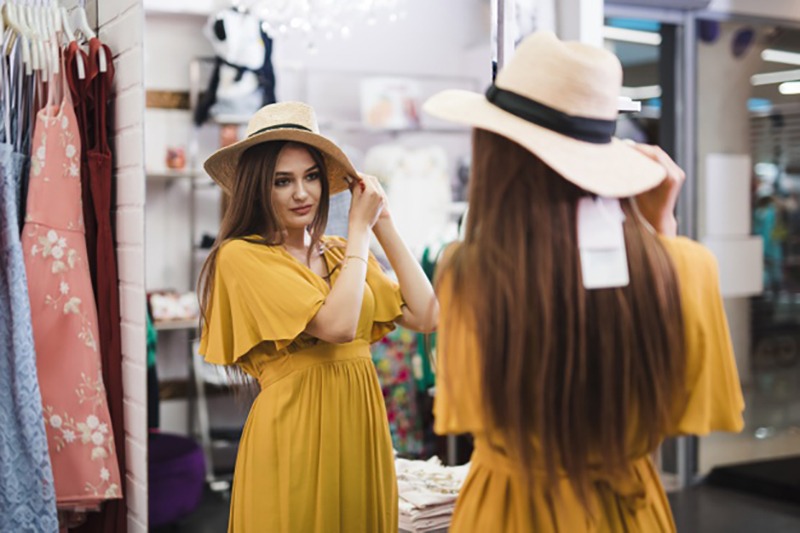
(120, 25)
(445, 38)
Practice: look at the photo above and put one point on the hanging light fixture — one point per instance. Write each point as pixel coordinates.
(323, 19)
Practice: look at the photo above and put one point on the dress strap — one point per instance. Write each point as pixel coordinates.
(101, 89)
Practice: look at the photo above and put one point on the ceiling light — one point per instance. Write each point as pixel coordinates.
(775, 77)
(790, 87)
(631, 36)
(780, 56)
(323, 17)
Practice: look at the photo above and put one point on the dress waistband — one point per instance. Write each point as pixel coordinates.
(630, 486)
(281, 366)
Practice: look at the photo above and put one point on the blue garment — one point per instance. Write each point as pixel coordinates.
(27, 492)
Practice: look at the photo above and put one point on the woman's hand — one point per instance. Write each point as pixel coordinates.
(377, 184)
(658, 204)
(368, 201)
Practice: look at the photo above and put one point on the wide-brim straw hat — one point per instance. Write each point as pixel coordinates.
(285, 121)
(559, 100)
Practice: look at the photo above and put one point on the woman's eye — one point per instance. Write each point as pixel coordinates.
(281, 182)
(313, 177)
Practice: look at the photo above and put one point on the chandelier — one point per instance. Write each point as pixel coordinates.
(318, 19)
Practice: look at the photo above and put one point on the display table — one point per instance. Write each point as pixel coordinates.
(428, 491)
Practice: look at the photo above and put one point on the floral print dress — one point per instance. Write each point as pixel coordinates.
(64, 317)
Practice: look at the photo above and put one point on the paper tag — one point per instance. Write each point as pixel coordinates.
(601, 241)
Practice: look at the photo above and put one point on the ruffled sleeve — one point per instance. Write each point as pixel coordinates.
(388, 300)
(259, 295)
(385, 291)
(714, 393)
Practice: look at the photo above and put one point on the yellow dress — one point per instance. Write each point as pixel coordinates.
(493, 497)
(316, 453)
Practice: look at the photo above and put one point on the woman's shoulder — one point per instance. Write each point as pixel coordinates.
(334, 246)
(244, 248)
(689, 255)
(333, 241)
(697, 271)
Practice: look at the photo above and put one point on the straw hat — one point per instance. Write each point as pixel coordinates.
(559, 101)
(286, 121)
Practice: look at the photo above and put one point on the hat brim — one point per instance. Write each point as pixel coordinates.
(222, 164)
(612, 170)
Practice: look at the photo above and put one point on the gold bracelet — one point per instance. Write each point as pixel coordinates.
(357, 257)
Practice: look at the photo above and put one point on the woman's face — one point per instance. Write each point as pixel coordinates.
(296, 187)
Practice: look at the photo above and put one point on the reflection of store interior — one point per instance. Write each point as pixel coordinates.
(369, 103)
(366, 83)
(759, 62)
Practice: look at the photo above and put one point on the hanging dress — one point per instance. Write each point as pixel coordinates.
(27, 493)
(316, 454)
(113, 516)
(64, 316)
(79, 90)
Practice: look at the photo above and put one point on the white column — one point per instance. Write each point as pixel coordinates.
(580, 20)
(724, 213)
(571, 20)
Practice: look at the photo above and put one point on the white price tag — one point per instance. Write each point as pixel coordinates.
(601, 241)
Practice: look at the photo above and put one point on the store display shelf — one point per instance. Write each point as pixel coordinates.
(167, 325)
(199, 179)
(625, 103)
(457, 208)
(358, 127)
(170, 175)
(235, 120)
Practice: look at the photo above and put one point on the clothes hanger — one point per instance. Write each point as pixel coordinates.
(51, 35)
(23, 34)
(63, 23)
(48, 39)
(29, 18)
(84, 27)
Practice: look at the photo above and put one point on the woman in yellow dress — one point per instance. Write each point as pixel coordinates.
(577, 330)
(297, 311)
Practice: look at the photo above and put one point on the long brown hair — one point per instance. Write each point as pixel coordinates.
(574, 368)
(250, 211)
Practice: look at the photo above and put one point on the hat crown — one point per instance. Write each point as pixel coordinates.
(572, 77)
(283, 114)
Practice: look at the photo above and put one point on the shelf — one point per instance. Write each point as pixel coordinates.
(358, 127)
(233, 120)
(169, 325)
(457, 208)
(198, 178)
(181, 389)
(628, 104)
(170, 175)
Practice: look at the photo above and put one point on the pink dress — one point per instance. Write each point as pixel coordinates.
(64, 316)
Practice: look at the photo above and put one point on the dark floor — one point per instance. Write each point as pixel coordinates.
(704, 508)
(699, 509)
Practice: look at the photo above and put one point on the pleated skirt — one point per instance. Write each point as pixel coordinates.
(316, 454)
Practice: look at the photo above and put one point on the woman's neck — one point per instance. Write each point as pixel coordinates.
(297, 239)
